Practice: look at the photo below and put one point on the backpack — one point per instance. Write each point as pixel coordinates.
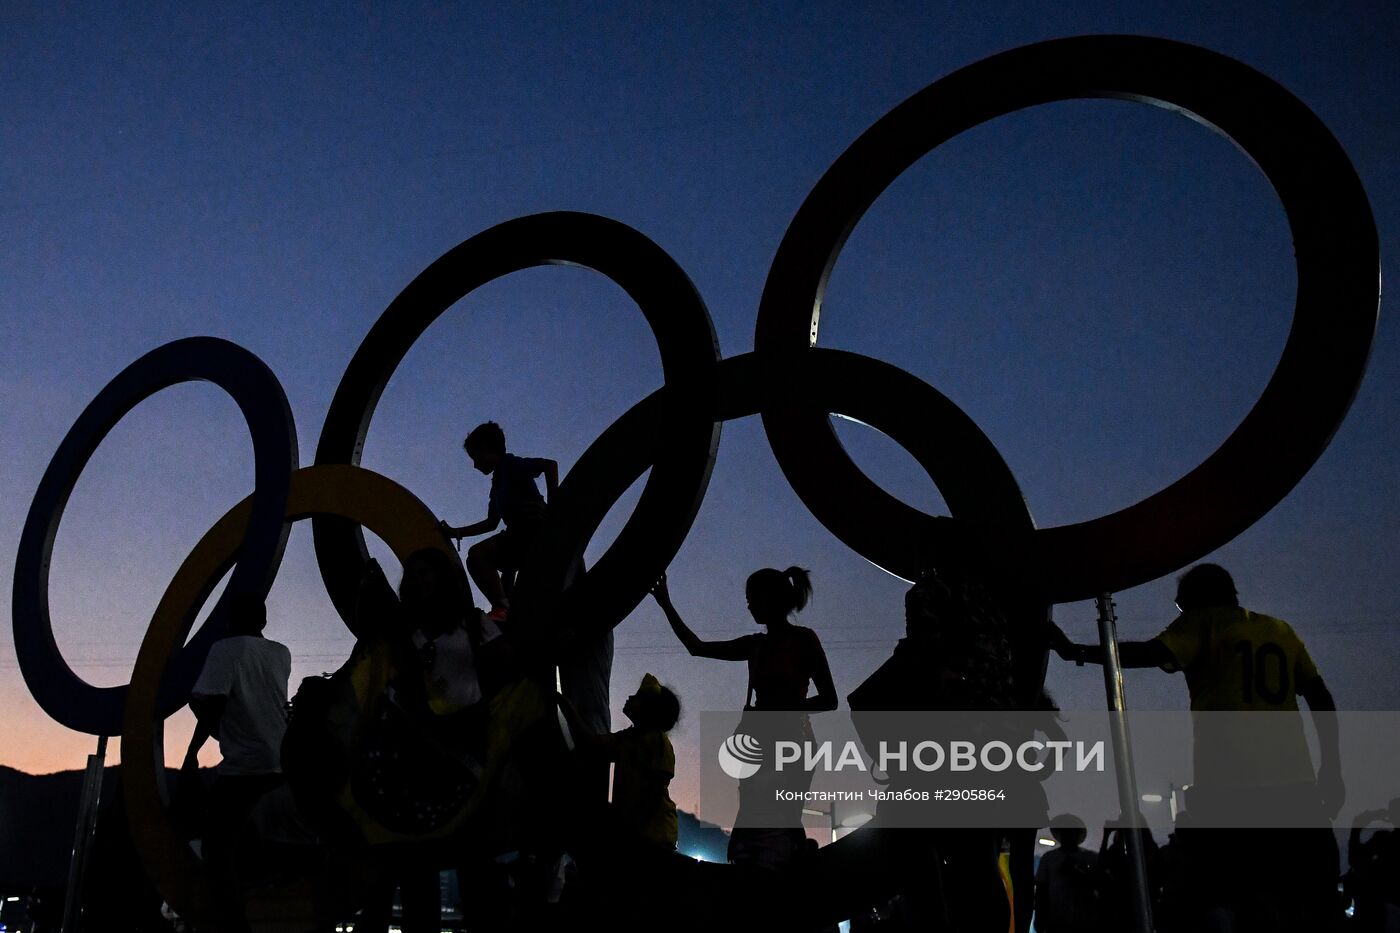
(316, 749)
(368, 761)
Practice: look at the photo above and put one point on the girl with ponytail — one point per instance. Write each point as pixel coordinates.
(784, 659)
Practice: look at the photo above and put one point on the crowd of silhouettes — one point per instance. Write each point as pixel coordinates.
(404, 737)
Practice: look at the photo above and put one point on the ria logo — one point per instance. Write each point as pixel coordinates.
(740, 756)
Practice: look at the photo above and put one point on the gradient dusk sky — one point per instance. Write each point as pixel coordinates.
(1103, 286)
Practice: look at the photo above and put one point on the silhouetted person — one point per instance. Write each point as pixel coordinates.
(1374, 879)
(434, 699)
(516, 501)
(1067, 882)
(643, 813)
(955, 655)
(783, 661)
(240, 697)
(1173, 911)
(1236, 660)
(810, 849)
(1115, 886)
(1029, 788)
(440, 626)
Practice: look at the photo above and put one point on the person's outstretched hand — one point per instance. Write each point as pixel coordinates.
(1058, 641)
(660, 592)
(372, 575)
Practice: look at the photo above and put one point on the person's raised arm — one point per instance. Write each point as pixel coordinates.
(375, 601)
(550, 469)
(1324, 716)
(487, 524)
(1130, 653)
(736, 649)
(821, 679)
(599, 745)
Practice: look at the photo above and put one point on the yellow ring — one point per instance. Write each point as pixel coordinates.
(384, 507)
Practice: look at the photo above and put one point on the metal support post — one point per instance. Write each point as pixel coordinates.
(83, 836)
(1123, 763)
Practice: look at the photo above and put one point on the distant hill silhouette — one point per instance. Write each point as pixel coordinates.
(38, 814)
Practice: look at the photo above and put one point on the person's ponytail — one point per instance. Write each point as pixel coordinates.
(800, 580)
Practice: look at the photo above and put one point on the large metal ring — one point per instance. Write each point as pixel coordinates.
(967, 469)
(63, 694)
(673, 308)
(1333, 324)
(393, 513)
(795, 387)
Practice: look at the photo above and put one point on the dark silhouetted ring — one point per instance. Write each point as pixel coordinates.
(795, 387)
(1333, 323)
(684, 334)
(967, 469)
(62, 694)
(379, 504)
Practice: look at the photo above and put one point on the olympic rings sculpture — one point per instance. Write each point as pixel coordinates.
(790, 383)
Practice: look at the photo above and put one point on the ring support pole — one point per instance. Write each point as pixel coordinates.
(83, 837)
(1123, 762)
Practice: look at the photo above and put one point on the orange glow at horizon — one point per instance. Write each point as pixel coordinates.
(32, 742)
